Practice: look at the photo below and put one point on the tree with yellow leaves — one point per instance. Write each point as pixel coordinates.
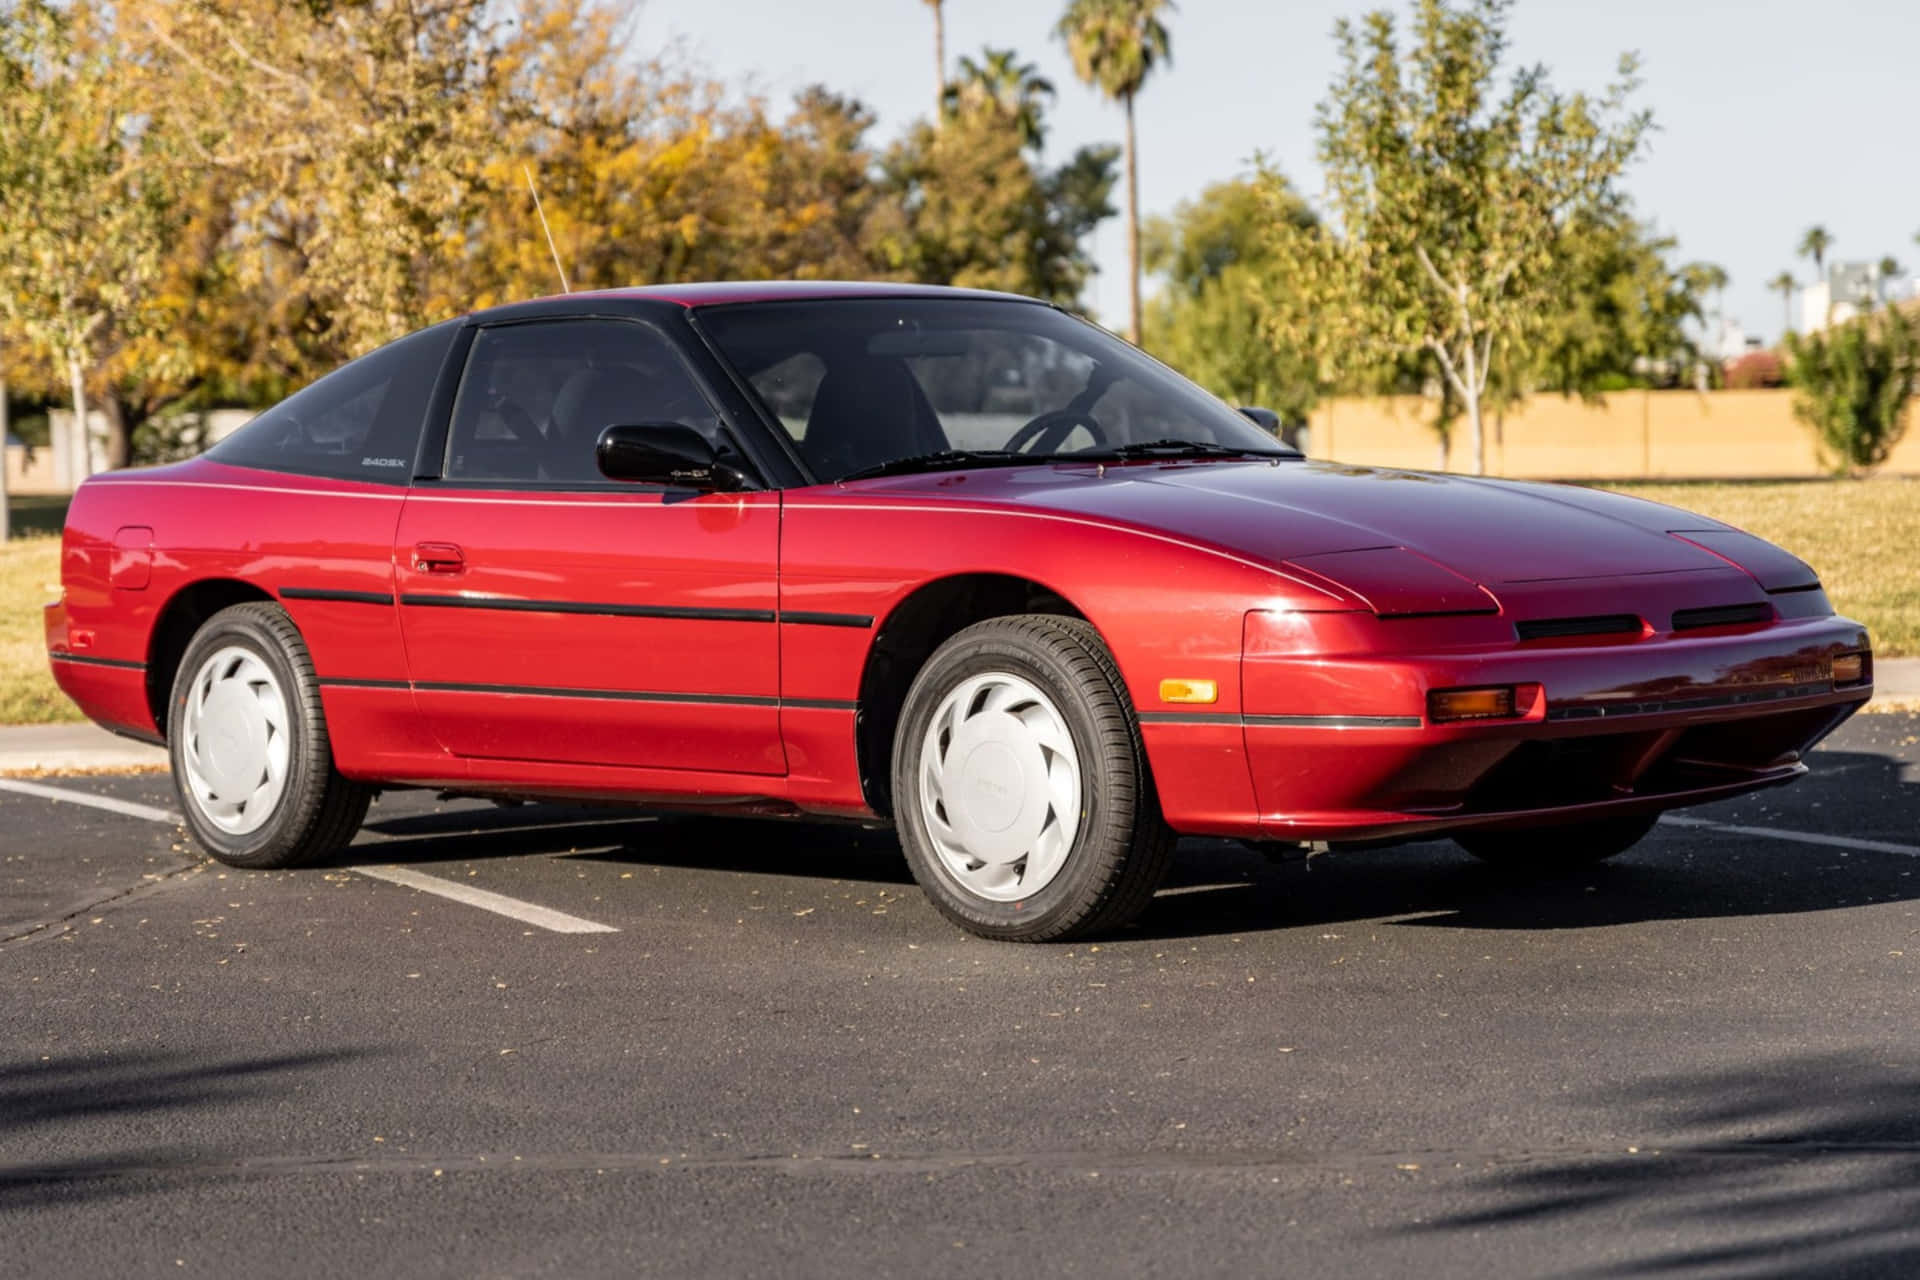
(90, 201)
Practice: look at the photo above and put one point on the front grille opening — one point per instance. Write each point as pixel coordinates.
(1547, 773)
(1551, 772)
(1723, 615)
(1759, 742)
(1604, 624)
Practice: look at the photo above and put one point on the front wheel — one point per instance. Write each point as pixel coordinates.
(1020, 785)
(252, 761)
(1550, 849)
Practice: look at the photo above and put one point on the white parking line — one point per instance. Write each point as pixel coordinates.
(111, 805)
(498, 903)
(1800, 837)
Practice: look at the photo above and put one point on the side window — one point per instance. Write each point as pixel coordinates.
(360, 422)
(535, 398)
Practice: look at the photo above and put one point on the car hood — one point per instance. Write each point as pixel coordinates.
(1491, 532)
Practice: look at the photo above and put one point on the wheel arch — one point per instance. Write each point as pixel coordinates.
(174, 627)
(906, 637)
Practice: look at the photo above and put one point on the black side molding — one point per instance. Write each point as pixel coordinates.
(339, 597)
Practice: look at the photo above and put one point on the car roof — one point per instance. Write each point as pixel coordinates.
(722, 292)
(718, 293)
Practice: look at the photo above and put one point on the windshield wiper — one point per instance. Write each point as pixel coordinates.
(1183, 449)
(959, 459)
(945, 460)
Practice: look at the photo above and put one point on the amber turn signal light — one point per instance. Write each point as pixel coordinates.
(1849, 668)
(1189, 691)
(1444, 705)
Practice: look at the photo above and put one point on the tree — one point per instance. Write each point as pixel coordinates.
(1115, 45)
(1854, 382)
(1620, 315)
(1000, 82)
(967, 204)
(1814, 244)
(356, 130)
(649, 174)
(1713, 278)
(1786, 286)
(939, 55)
(1456, 206)
(90, 208)
(1887, 271)
(1215, 259)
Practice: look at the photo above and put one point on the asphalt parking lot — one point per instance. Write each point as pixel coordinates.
(731, 1048)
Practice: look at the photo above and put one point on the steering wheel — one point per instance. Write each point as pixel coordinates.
(1045, 433)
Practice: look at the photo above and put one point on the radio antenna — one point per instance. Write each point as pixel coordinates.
(564, 286)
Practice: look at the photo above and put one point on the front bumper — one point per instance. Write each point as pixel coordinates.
(1335, 743)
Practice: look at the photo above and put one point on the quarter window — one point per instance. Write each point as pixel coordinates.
(535, 398)
(360, 422)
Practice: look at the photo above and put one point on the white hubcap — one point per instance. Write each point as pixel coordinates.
(1000, 786)
(236, 746)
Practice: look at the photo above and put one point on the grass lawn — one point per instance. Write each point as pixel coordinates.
(29, 578)
(1863, 538)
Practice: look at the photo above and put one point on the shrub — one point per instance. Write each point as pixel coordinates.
(1853, 382)
(1755, 370)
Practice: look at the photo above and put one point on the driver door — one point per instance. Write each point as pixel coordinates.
(552, 615)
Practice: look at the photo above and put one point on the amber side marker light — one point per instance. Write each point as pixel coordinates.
(1446, 705)
(1189, 691)
(1850, 668)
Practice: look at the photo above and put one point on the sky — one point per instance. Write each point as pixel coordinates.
(1773, 115)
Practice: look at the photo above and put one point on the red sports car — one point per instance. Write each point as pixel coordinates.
(946, 559)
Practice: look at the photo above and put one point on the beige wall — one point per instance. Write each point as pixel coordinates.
(1679, 434)
(29, 475)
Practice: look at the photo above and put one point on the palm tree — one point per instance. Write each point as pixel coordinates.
(1888, 269)
(1015, 89)
(1814, 244)
(939, 56)
(1784, 284)
(1711, 277)
(1115, 45)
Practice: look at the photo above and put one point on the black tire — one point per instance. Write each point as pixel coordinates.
(318, 811)
(1120, 851)
(1545, 850)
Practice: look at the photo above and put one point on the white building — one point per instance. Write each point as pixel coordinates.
(1849, 289)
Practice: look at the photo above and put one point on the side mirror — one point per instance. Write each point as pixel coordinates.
(1265, 419)
(665, 453)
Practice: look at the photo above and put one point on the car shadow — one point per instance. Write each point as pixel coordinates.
(764, 846)
(1677, 873)
(1804, 1167)
(57, 1094)
(1222, 887)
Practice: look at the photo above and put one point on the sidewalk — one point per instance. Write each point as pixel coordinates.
(72, 748)
(79, 748)
(1896, 678)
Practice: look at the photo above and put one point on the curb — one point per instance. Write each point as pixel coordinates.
(74, 748)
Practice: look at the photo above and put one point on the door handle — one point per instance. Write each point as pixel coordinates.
(438, 557)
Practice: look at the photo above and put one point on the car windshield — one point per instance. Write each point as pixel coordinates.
(867, 386)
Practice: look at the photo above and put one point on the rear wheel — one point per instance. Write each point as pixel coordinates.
(252, 761)
(1020, 786)
(1550, 849)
